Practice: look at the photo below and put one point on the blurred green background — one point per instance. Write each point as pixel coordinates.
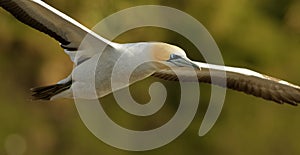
(263, 35)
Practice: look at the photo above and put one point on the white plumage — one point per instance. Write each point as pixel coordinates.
(70, 34)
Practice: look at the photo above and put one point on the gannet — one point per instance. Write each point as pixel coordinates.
(69, 33)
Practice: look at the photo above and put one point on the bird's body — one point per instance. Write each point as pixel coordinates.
(101, 66)
(96, 59)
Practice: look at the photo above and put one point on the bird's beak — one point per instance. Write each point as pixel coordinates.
(183, 62)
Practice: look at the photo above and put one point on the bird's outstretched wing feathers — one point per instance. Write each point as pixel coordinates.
(70, 34)
(239, 79)
(61, 27)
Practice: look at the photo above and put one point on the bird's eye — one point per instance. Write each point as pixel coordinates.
(174, 56)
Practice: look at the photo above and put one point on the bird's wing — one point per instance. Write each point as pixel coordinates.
(61, 27)
(239, 79)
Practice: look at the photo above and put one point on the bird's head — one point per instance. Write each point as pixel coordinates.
(170, 55)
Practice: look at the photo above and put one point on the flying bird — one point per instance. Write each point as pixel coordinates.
(69, 33)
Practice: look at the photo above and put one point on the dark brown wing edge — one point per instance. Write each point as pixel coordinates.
(268, 89)
(18, 12)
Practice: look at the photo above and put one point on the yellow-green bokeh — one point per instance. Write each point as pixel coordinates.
(263, 35)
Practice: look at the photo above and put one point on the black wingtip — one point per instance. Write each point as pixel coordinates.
(18, 11)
